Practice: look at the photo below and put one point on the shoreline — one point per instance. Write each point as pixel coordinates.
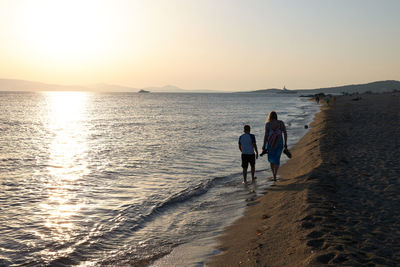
(335, 203)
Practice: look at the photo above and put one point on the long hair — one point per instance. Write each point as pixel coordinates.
(272, 116)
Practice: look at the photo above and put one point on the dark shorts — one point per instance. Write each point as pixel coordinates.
(248, 158)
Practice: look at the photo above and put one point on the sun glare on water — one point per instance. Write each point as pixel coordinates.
(68, 148)
(67, 162)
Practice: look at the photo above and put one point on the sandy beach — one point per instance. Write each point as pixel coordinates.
(337, 201)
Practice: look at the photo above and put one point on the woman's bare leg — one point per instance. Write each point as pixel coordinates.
(273, 171)
(276, 171)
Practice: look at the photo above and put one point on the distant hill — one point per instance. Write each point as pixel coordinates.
(167, 88)
(377, 87)
(117, 88)
(22, 85)
(103, 87)
(174, 89)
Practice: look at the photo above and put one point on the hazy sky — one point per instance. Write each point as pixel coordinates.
(201, 44)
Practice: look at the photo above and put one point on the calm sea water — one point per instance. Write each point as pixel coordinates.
(126, 178)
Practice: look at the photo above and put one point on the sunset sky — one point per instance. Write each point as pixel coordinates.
(201, 44)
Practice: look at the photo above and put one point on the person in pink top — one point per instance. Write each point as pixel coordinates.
(273, 141)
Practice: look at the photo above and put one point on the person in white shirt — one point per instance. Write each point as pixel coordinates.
(247, 145)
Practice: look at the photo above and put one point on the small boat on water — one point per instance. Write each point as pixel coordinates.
(143, 91)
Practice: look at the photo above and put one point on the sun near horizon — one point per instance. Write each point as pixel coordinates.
(217, 45)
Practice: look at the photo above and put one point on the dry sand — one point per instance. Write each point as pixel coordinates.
(338, 201)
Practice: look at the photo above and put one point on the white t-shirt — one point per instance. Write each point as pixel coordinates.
(247, 140)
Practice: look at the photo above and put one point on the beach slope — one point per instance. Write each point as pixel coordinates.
(338, 200)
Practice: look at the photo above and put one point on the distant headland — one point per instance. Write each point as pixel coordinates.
(375, 87)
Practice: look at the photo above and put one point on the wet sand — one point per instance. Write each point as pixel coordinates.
(338, 201)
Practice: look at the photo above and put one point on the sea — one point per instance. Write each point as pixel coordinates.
(129, 179)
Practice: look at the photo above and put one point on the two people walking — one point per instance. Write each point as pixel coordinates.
(274, 144)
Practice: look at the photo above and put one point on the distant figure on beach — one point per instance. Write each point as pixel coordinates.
(327, 100)
(317, 99)
(247, 145)
(334, 100)
(273, 141)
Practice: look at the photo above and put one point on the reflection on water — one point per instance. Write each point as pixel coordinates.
(67, 163)
(68, 151)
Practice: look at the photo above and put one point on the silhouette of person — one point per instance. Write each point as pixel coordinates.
(273, 141)
(247, 145)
